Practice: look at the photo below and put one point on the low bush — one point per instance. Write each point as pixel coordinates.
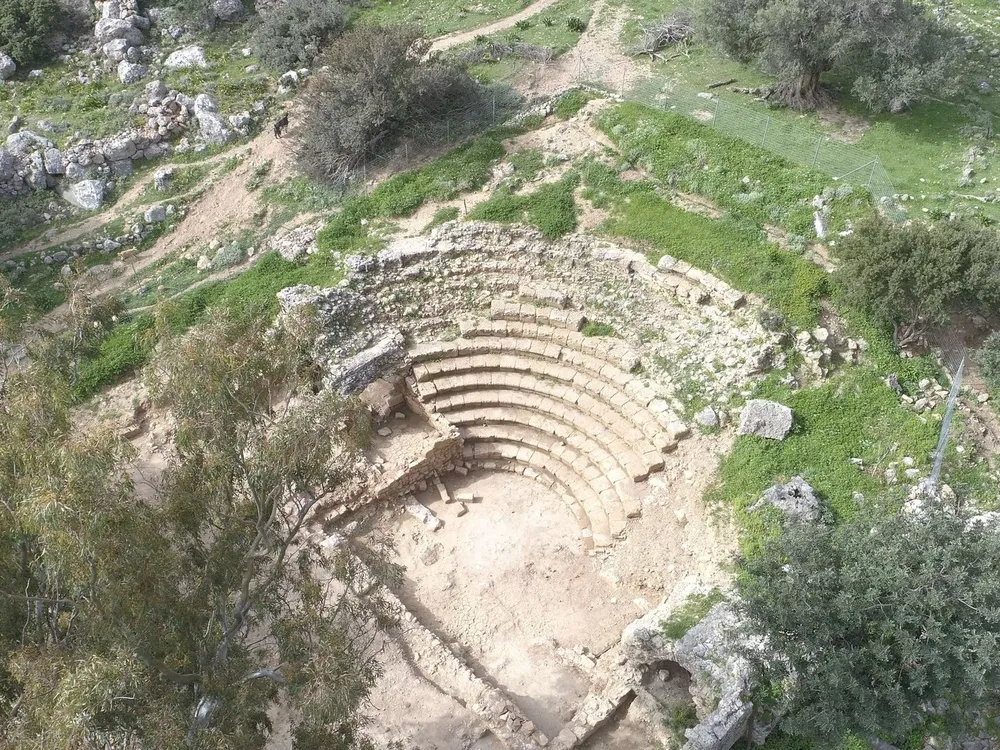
(295, 33)
(572, 102)
(376, 89)
(906, 277)
(595, 328)
(25, 26)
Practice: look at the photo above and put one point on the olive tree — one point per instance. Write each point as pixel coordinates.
(892, 53)
(185, 619)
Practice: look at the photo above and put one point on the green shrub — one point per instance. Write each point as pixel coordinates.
(988, 357)
(906, 277)
(576, 24)
(293, 34)
(258, 175)
(681, 718)
(551, 208)
(25, 26)
(874, 619)
(376, 88)
(593, 328)
(572, 102)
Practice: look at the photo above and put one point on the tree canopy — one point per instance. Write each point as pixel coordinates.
(183, 618)
(891, 53)
(869, 622)
(24, 27)
(910, 276)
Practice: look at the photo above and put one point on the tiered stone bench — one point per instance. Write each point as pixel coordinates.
(529, 393)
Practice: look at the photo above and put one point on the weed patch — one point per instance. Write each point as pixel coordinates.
(551, 208)
(464, 168)
(594, 328)
(572, 102)
(690, 614)
(851, 416)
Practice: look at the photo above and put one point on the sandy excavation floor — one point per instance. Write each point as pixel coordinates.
(508, 587)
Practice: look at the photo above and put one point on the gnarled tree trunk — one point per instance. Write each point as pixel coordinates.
(803, 92)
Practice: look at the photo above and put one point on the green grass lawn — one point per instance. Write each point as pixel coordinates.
(442, 17)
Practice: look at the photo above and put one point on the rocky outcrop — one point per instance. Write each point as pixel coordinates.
(796, 499)
(88, 194)
(766, 419)
(186, 57)
(354, 374)
(719, 676)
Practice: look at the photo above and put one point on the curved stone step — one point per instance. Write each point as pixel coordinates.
(576, 493)
(605, 406)
(527, 313)
(612, 466)
(601, 502)
(612, 351)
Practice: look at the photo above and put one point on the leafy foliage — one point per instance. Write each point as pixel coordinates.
(294, 33)
(206, 605)
(24, 27)
(375, 89)
(988, 357)
(596, 328)
(875, 619)
(892, 53)
(908, 276)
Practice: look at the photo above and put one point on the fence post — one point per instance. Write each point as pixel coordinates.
(872, 175)
(816, 155)
(767, 124)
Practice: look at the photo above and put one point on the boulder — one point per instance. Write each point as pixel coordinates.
(186, 57)
(155, 91)
(707, 417)
(767, 419)
(155, 214)
(54, 161)
(796, 499)
(289, 78)
(162, 177)
(115, 28)
(212, 129)
(74, 172)
(115, 50)
(24, 142)
(228, 10)
(7, 66)
(119, 147)
(8, 166)
(111, 9)
(240, 122)
(130, 72)
(88, 194)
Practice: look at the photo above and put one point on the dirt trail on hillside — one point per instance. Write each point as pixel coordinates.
(457, 38)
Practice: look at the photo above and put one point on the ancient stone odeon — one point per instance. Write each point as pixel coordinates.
(478, 332)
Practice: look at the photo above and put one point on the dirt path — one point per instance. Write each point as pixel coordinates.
(596, 58)
(457, 38)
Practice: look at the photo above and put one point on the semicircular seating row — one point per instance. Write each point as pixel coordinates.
(531, 394)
